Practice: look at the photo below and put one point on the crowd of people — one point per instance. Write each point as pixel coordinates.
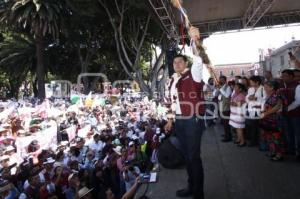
(258, 111)
(56, 149)
(92, 148)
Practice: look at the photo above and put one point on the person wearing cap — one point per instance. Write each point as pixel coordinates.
(60, 179)
(123, 153)
(47, 173)
(6, 142)
(84, 193)
(33, 146)
(4, 161)
(129, 174)
(73, 188)
(81, 148)
(131, 150)
(9, 150)
(97, 145)
(89, 163)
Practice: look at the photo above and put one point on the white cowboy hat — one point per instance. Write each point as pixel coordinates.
(21, 132)
(49, 161)
(6, 125)
(7, 138)
(134, 137)
(71, 176)
(3, 129)
(131, 144)
(118, 150)
(57, 164)
(84, 191)
(4, 157)
(9, 148)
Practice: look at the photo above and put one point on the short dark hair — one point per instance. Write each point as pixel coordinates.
(288, 72)
(223, 77)
(256, 79)
(181, 56)
(273, 84)
(241, 86)
(211, 78)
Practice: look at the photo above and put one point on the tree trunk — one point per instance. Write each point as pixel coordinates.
(40, 69)
(34, 88)
(14, 88)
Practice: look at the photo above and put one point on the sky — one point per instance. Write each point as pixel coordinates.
(243, 47)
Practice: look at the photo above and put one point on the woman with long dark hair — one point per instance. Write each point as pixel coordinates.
(237, 118)
(269, 124)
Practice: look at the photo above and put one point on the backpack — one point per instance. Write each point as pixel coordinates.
(169, 154)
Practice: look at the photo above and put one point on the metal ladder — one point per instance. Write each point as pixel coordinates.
(164, 11)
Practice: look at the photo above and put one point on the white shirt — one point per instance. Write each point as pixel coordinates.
(196, 71)
(296, 103)
(260, 96)
(210, 91)
(224, 91)
(97, 146)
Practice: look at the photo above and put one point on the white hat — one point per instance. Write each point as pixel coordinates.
(21, 132)
(4, 157)
(9, 148)
(84, 191)
(2, 129)
(157, 131)
(62, 144)
(118, 150)
(49, 161)
(131, 143)
(72, 175)
(6, 125)
(7, 138)
(57, 164)
(134, 137)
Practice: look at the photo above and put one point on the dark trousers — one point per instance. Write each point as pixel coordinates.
(292, 132)
(225, 122)
(189, 133)
(252, 130)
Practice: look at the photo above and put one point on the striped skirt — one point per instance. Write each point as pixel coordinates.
(237, 118)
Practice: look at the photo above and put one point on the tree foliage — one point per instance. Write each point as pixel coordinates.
(69, 37)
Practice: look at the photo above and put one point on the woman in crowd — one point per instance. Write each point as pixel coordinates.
(245, 82)
(237, 119)
(254, 99)
(269, 124)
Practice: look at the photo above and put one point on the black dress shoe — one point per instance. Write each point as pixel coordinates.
(242, 145)
(226, 140)
(183, 193)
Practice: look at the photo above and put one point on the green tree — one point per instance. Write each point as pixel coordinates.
(17, 58)
(135, 33)
(41, 18)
